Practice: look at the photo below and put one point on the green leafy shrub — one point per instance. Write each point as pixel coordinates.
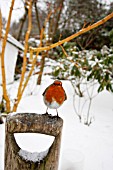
(88, 64)
(89, 71)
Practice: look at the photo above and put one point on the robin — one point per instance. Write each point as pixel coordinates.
(54, 96)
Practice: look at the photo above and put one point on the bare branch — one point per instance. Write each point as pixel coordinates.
(19, 95)
(82, 31)
(5, 95)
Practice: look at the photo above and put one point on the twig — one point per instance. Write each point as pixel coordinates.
(5, 95)
(20, 90)
(0, 25)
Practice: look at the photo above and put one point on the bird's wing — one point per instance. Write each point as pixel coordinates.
(65, 96)
(45, 91)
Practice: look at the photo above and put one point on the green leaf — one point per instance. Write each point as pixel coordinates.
(101, 88)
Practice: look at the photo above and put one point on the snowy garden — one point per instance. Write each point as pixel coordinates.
(86, 74)
(82, 147)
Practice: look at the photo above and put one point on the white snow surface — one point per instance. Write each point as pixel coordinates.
(34, 157)
(82, 147)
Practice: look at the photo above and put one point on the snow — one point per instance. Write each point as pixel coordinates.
(2, 138)
(13, 41)
(34, 157)
(10, 62)
(11, 52)
(82, 147)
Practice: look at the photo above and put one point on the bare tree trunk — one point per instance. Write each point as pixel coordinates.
(60, 5)
(53, 22)
(53, 25)
(32, 123)
(37, 17)
(22, 24)
(41, 67)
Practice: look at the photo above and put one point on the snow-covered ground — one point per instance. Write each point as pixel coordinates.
(82, 147)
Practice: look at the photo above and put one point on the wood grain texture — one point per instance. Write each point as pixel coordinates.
(32, 123)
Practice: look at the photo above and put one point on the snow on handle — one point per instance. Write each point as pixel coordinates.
(16, 158)
(34, 157)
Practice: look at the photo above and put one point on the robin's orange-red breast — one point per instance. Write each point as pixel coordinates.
(54, 95)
